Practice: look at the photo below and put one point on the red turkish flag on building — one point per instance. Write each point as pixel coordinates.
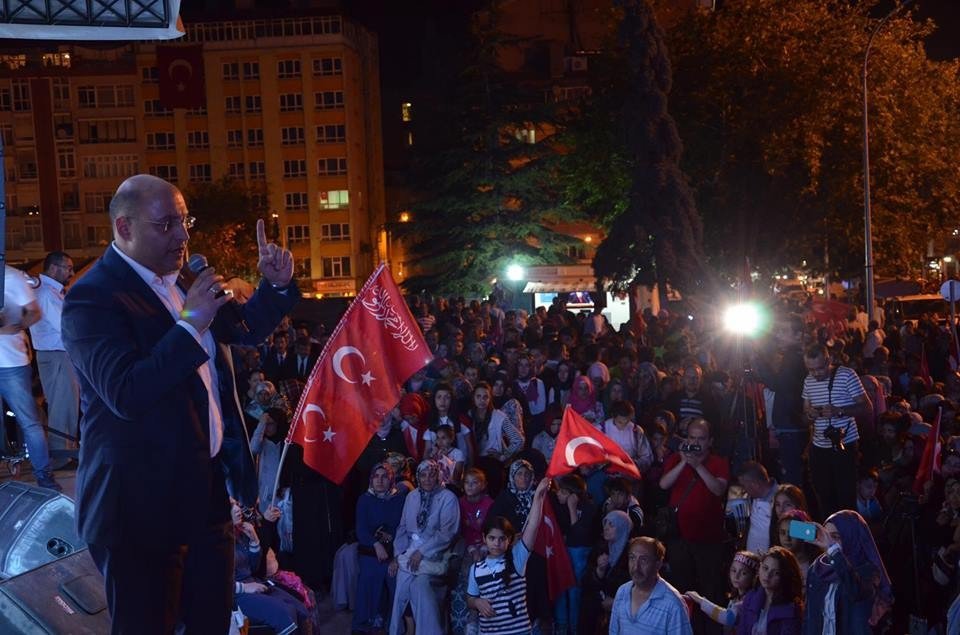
(180, 70)
(579, 443)
(550, 545)
(357, 379)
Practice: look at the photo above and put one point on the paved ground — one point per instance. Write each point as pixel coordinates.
(334, 622)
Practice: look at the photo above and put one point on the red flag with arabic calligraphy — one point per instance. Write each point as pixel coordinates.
(580, 443)
(550, 545)
(357, 379)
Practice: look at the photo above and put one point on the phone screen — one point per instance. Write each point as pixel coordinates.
(803, 531)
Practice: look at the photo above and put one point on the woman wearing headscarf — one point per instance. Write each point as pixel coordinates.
(415, 425)
(558, 390)
(648, 393)
(428, 524)
(848, 589)
(606, 570)
(495, 438)
(378, 514)
(583, 399)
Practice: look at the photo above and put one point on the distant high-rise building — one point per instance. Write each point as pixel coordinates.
(292, 110)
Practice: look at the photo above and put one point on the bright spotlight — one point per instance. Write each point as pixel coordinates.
(515, 273)
(743, 319)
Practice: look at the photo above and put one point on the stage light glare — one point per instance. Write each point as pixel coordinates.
(743, 319)
(515, 273)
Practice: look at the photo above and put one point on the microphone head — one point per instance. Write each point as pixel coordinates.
(197, 263)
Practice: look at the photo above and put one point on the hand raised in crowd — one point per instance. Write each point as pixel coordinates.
(275, 262)
(823, 540)
(542, 488)
(201, 304)
(272, 514)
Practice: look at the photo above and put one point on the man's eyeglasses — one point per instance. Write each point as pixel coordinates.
(167, 224)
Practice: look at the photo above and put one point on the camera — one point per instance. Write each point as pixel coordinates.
(835, 436)
(690, 447)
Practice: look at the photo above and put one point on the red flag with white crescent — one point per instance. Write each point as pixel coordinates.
(180, 74)
(579, 443)
(357, 379)
(550, 545)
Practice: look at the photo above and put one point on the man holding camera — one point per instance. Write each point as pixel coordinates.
(697, 479)
(832, 397)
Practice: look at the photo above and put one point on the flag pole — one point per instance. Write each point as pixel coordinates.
(313, 371)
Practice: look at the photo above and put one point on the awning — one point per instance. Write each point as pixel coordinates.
(560, 285)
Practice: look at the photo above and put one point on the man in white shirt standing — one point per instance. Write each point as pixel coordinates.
(57, 376)
(761, 490)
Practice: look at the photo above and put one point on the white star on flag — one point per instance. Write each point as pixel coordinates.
(549, 551)
(328, 435)
(367, 377)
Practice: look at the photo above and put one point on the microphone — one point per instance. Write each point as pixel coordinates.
(196, 264)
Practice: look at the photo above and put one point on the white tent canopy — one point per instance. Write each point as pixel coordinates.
(90, 19)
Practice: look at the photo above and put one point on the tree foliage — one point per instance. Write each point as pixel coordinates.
(226, 226)
(488, 195)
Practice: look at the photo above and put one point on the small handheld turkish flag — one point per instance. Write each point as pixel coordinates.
(579, 443)
(180, 70)
(356, 382)
(550, 545)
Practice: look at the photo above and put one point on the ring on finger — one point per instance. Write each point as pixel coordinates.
(213, 289)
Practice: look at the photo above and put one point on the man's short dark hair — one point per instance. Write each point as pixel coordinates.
(754, 471)
(55, 258)
(816, 351)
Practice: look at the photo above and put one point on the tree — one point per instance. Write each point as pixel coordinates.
(489, 192)
(768, 98)
(225, 232)
(657, 237)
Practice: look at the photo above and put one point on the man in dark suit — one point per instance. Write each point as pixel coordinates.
(276, 357)
(299, 363)
(163, 435)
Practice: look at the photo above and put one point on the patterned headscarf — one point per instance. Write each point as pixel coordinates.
(524, 497)
(426, 498)
(391, 474)
(622, 523)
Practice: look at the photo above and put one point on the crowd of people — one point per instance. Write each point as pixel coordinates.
(793, 462)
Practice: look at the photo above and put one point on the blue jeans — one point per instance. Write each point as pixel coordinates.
(16, 391)
(567, 610)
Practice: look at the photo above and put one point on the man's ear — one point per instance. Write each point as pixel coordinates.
(121, 226)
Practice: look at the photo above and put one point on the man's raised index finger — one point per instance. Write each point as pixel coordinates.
(261, 235)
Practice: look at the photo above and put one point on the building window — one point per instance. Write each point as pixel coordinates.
(294, 168)
(253, 103)
(334, 199)
(61, 60)
(234, 138)
(296, 200)
(288, 69)
(21, 95)
(6, 132)
(168, 172)
(298, 234)
(291, 136)
(328, 66)
(406, 111)
(27, 164)
(32, 232)
(254, 137)
(335, 231)
(258, 170)
(328, 99)
(120, 96)
(258, 201)
(290, 102)
(251, 70)
(6, 100)
(66, 162)
(336, 267)
(155, 108)
(97, 202)
(72, 233)
(198, 139)
(576, 252)
(231, 70)
(61, 93)
(334, 166)
(161, 141)
(235, 170)
(231, 104)
(332, 133)
(200, 172)
(197, 112)
(14, 62)
(301, 267)
(99, 236)
(107, 130)
(111, 166)
(150, 74)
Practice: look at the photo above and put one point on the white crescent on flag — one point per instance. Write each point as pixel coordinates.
(575, 443)
(306, 422)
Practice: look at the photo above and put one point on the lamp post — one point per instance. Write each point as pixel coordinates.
(867, 233)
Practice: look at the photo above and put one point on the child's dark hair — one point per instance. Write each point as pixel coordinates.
(622, 409)
(504, 525)
(446, 428)
(572, 483)
(476, 473)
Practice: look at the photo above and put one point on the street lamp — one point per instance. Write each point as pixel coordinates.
(867, 233)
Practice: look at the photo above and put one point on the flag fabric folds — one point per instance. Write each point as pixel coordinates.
(357, 380)
(930, 460)
(180, 73)
(580, 443)
(550, 545)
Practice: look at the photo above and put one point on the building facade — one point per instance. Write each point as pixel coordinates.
(292, 110)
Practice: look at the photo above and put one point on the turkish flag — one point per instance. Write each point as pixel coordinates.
(579, 443)
(930, 461)
(357, 379)
(181, 76)
(549, 544)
